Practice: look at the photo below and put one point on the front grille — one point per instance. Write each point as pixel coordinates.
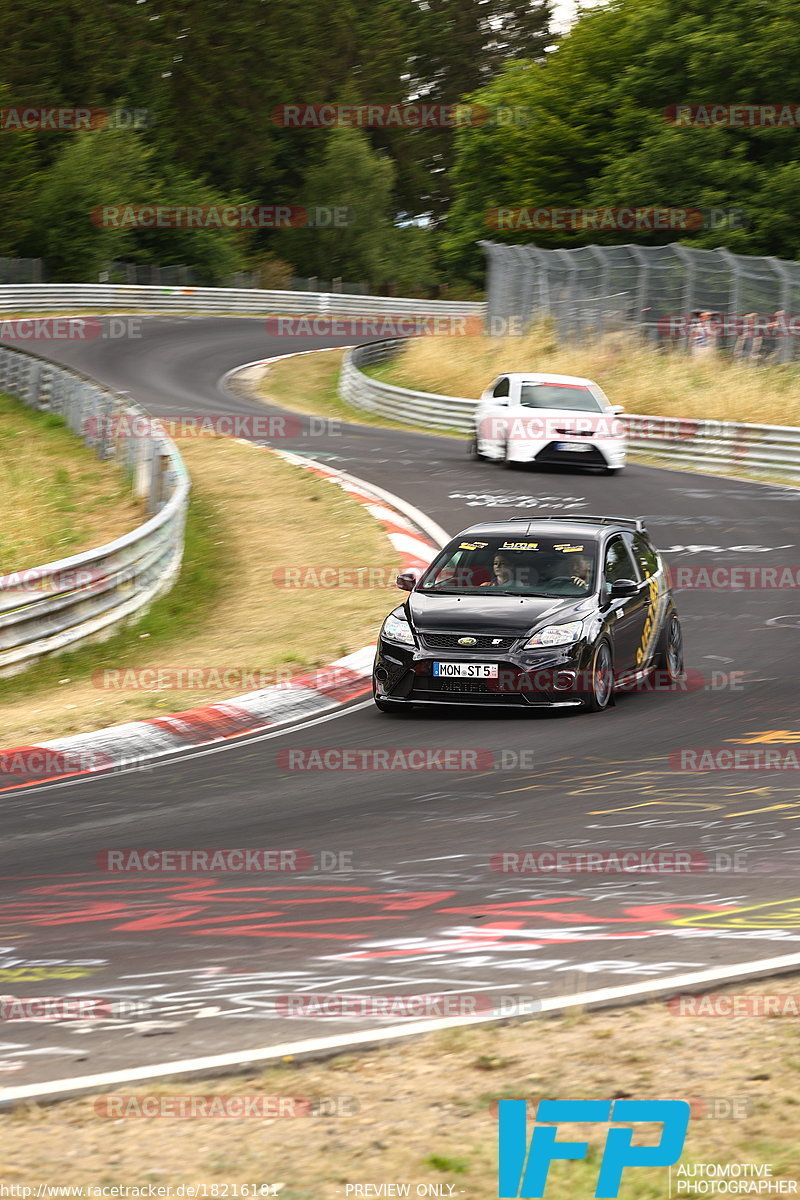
(461, 685)
(449, 641)
(463, 690)
(589, 458)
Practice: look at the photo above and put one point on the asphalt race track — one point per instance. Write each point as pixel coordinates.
(421, 909)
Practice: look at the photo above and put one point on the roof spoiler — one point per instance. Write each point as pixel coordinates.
(583, 519)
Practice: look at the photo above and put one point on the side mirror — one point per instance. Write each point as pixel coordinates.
(408, 580)
(617, 409)
(501, 401)
(623, 587)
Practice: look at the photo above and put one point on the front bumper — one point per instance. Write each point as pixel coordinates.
(596, 452)
(552, 678)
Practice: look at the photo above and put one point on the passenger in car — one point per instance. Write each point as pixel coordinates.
(502, 572)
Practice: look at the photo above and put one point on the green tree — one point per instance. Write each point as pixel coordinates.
(115, 169)
(19, 180)
(354, 178)
(601, 132)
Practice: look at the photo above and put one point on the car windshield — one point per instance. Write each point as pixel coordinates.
(559, 395)
(530, 566)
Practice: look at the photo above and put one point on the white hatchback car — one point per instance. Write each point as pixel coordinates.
(548, 419)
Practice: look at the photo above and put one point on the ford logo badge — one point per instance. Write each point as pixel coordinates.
(467, 641)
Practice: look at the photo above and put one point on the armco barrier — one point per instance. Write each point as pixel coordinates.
(772, 449)
(57, 606)
(80, 297)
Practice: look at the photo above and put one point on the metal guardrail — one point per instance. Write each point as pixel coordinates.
(51, 608)
(79, 297)
(773, 449)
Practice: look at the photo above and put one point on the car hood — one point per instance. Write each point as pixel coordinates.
(605, 423)
(490, 614)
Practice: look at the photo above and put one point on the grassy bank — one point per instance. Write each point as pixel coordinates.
(252, 516)
(58, 498)
(644, 380)
(309, 384)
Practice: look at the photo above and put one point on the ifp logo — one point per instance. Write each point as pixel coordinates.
(523, 1169)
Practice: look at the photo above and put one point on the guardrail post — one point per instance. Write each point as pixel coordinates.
(34, 372)
(159, 472)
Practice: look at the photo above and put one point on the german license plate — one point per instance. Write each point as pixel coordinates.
(463, 670)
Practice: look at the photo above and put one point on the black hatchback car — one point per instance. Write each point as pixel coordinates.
(542, 612)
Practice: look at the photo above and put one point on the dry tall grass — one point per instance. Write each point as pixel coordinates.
(644, 380)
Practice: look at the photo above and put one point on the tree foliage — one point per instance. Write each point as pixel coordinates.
(601, 133)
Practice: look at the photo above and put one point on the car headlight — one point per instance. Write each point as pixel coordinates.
(556, 635)
(397, 629)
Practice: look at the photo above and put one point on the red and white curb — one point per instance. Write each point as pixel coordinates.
(416, 538)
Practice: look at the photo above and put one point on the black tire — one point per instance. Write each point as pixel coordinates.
(601, 674)
(669, 656)
(474, 452)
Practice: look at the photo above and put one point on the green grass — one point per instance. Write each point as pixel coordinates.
(59, 497)
(183, 609)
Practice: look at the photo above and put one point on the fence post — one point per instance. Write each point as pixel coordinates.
(780, 268)
(688, 288)
(735, 290)
(605, 285)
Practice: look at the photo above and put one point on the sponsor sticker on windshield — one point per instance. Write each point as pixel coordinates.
(565, 548)
(519, 546)
(473, 545)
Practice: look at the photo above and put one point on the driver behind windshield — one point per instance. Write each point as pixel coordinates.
(581, 569)
(537, 568)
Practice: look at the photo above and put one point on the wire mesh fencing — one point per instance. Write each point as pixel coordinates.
(702, 301)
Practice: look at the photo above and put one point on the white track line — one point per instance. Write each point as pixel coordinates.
(324, 1047)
